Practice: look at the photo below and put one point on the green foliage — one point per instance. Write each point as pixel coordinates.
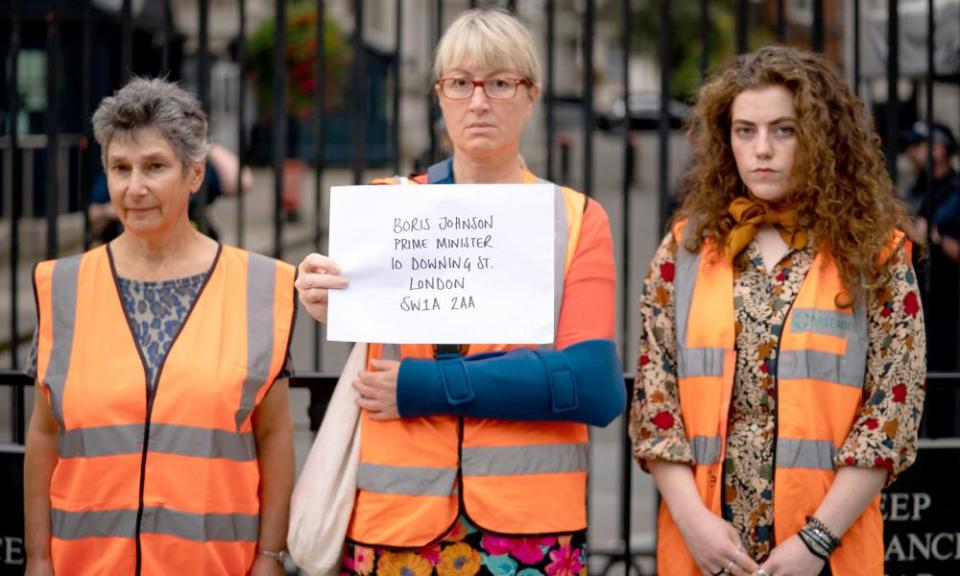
(685, 41)
(301, 50)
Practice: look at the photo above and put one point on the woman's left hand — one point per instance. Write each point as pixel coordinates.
(264, 566)
(378, 390)
(791, 558)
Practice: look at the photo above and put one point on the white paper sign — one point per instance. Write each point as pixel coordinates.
(443, 264)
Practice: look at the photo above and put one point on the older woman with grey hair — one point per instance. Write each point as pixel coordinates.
(473, 459)
(161, 440)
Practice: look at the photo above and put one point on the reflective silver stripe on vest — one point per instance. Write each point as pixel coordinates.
(390, 352)
(699, 362)
(201, 527)
(847, 369)
(706, 449)
(529, 459)
(99, 524)
(101, 441)
(560, 240)
(164, 438)
(122, 524)
(407, 480)
(685, 278)
(66, 276)
(261, 279)
(817, 321)
(691, 362)
(202, 442)
(795, 453)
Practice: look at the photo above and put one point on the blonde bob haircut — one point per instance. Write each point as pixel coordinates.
(488, 38)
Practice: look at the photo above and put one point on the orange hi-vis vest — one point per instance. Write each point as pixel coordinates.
(160, 481)
(417, 475)
(820, 371)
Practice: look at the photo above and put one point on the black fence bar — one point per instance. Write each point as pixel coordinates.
(52, 179)
(626, 464)
(203, 93)
(704, 40)
(203, 54)
(665, 53)
(893, 74)
(928, 173)
(588, 116)
(473, 4)
(817, 33)
(397, 75)
(167, 36)
(432, 112)
(279, 121)
(126, 40)
(241, 114)
(83, 160)
(358, 99)
(18, 382)
(551, 89)
(319, 104)
(512, 5)
(742, 14)
(626, 17)
(16, 197)
(16, 183)
(856, 47)
(781, 22)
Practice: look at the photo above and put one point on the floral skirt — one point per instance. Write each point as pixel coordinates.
(467, 551)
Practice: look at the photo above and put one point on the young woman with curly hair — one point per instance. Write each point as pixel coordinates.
(782, 343)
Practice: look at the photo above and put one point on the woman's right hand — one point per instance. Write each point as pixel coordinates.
(317, 274)
(715, 544)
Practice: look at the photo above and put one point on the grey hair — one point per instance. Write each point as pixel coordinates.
(154, 103)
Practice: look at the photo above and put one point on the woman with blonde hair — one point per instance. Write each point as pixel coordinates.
(779, 385)
(474, 458)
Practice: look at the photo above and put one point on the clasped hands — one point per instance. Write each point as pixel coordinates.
(716, 548)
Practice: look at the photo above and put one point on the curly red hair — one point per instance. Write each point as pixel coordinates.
(839, 183)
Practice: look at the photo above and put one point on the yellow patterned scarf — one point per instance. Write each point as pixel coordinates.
(751, 213)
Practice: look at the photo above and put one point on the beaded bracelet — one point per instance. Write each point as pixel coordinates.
(819, 525)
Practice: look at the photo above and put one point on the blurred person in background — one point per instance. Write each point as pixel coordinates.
(937, 219)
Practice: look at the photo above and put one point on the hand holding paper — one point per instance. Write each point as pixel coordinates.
(317, 274)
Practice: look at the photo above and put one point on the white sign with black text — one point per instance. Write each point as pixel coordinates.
(443, 264)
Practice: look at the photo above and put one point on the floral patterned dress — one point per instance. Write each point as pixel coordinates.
(884, 435)
(467, 551)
